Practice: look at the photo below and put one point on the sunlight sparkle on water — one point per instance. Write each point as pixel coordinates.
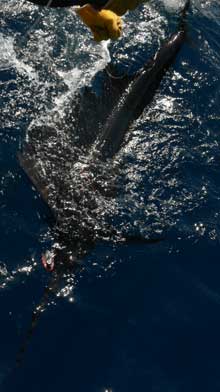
(65, 291)
(200, 228)
(27, 269)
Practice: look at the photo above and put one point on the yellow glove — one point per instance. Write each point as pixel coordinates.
(104, 24)
(122, 6)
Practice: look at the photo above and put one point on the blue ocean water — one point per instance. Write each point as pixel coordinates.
(137, 316)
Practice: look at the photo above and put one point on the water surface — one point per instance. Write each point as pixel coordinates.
(137, 317)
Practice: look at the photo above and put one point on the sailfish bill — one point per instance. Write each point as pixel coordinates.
(140, 92)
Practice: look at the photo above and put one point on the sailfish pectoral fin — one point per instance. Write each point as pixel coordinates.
(30, 166)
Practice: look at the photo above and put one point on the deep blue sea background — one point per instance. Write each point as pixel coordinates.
(138, 317)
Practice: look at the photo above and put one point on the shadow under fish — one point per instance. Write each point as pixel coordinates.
(74, 182)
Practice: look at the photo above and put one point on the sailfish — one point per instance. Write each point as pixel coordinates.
(76, 219)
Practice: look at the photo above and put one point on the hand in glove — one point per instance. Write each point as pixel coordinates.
(104, 24)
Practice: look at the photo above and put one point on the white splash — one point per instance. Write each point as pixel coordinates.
(77, 78)
(8, 59)
(173, 5)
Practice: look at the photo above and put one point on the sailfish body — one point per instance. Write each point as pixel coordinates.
(81, 211)
(137, 92)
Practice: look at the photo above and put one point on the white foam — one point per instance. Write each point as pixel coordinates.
(173, 5)
(8, 59)
(77, 78)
